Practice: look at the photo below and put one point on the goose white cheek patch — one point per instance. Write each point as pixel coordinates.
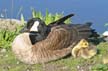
(35, 26)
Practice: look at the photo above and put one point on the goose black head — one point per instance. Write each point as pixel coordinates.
(36, 29)
(34, 25)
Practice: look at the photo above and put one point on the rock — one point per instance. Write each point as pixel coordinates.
(3, 51)
(105, 33)
(105, 36)
(9, 24)
(18, 62)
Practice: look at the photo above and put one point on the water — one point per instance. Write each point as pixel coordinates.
(87, 10)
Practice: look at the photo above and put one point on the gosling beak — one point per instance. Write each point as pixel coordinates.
(24, 30)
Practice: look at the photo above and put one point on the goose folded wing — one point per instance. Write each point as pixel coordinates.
(58, 38)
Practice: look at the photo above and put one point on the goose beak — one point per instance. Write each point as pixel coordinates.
(24, 30)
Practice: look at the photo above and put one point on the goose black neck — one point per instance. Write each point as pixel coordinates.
(36, 37)
(32, 36)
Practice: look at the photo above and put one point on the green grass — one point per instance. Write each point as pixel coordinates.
(48, 18)
(7, 36)
(8, 62)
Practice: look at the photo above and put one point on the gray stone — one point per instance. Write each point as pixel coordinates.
(3, 51)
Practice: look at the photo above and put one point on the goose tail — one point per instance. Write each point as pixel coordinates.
(85, 31)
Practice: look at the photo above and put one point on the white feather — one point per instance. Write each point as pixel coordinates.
(35, 26)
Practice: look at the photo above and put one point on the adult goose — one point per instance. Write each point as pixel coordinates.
(57, 44)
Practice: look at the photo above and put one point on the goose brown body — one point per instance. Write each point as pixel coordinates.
(58, 44)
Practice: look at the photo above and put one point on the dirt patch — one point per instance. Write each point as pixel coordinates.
(55, 67)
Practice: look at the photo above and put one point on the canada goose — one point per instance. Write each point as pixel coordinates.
(84, 49)
(56, 45)
(39, 30)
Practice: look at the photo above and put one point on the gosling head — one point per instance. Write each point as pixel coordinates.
(81, 44)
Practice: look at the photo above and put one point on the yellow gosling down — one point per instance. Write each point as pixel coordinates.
(87, 53)
(81, 44)
(84, 49)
